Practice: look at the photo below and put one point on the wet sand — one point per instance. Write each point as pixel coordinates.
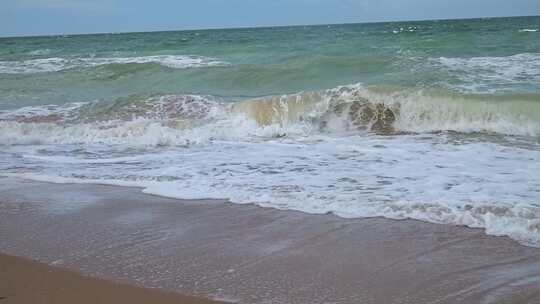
(248, 254)
(24, 281)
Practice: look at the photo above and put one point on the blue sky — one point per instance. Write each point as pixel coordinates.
(38, 17)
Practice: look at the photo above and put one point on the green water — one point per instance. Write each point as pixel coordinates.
(498, 56)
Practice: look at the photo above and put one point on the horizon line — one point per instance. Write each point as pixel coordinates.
(257, 27)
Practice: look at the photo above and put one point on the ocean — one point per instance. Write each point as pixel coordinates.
(437, 121)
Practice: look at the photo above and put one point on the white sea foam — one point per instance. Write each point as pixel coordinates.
(410, 29)
(59, 64)
(354, 176)
(528, 30)
(40, 52)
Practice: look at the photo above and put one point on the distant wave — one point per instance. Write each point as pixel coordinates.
(409, 29)
(40, 52)
(59, 64)
(479, 72)
(528, 30)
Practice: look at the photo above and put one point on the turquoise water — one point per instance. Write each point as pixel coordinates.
(435, 120)
(279, 60)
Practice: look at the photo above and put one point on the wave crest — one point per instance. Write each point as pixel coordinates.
(60, 64)
(192, 118)
(391, 110)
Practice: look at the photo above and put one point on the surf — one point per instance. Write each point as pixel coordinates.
(342, 110)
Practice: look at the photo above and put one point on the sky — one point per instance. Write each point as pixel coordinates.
(47, 17)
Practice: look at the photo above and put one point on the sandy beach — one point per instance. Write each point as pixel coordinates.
(244, 253)
(26, 281)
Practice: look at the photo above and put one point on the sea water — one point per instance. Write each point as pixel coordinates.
(435, 120)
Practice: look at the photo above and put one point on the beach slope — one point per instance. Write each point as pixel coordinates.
(248, 254)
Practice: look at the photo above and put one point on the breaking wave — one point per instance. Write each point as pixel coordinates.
(184, 119)
(60, 64)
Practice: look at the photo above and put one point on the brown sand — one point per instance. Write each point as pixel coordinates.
(24, 281)
(226, 251)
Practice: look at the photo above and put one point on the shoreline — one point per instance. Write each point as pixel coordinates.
(249, 254)
(27, 281)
